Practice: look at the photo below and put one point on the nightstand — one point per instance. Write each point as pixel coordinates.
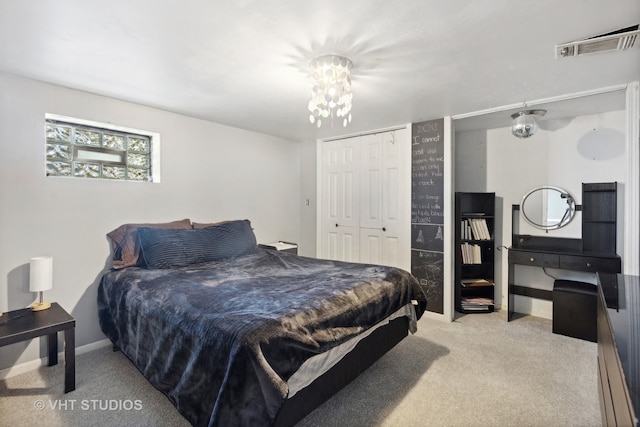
(25, 324)
(281, 246)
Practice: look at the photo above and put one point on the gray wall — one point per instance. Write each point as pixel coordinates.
(308, 183)
(209, 173)
(470, 161)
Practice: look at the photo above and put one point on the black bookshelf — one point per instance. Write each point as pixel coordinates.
(474, 248)
(599, 215)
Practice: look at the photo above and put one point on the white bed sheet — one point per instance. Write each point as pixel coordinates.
(321, 363)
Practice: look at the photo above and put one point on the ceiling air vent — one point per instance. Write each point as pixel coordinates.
(622, 39)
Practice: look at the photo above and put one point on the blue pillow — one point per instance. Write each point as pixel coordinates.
(169, 248)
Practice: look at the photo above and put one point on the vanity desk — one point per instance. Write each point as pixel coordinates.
(595, 252)
(554, 252)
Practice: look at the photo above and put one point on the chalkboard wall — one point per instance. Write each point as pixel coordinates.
(427, 210)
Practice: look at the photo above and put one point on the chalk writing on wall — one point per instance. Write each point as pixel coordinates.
(427, 209)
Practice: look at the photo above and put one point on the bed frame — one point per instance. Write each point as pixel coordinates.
(365, 353)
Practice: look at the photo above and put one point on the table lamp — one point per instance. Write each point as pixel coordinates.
(40, 279)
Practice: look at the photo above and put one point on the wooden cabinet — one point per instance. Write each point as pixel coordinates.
(474, 247)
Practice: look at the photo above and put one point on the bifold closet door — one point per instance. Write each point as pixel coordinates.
(366, 182)
(380, 199)
(340, 200)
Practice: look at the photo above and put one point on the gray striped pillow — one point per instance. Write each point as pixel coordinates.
(169, 248)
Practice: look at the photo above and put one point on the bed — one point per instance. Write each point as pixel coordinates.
(237, 334)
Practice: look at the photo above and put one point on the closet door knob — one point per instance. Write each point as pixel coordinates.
(384, 229)
(336, 225)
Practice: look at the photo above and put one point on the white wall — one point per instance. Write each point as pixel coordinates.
(470, 161)
(209, 172)
(308, 218)
(563, 154)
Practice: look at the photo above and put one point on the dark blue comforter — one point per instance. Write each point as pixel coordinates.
(220, 339)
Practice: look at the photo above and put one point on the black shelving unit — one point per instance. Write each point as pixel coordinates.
(599, 214)
(474, 248)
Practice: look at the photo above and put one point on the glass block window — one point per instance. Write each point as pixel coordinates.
(82, 149)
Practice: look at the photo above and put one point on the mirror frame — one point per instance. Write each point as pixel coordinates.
(564, 221)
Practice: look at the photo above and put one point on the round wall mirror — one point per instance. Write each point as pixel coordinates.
(548, 208)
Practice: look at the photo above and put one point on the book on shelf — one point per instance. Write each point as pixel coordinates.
(471, 253)
(476, 300)
(474, 229)
(470, 283)
(476, 303)
(477, 308)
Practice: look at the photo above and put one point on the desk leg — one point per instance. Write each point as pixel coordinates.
(69, 360)
(510, 303)
(510, 299)
(52, 345)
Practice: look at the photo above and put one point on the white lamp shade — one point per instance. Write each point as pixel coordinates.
(41, 274)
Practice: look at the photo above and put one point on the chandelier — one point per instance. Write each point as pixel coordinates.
(524, 122)
(330, 89)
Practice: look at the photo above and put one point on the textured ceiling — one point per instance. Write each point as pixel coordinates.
(244, 63)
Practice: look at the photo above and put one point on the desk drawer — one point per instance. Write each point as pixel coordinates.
(592, 264)
(537, 259)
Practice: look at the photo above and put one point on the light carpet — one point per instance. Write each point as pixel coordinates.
(476, 371)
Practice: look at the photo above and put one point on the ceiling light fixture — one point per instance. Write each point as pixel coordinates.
(524, 122)
(330, 89)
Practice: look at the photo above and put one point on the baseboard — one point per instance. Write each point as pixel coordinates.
(435, 316)
(31, 365)
(93, 346)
